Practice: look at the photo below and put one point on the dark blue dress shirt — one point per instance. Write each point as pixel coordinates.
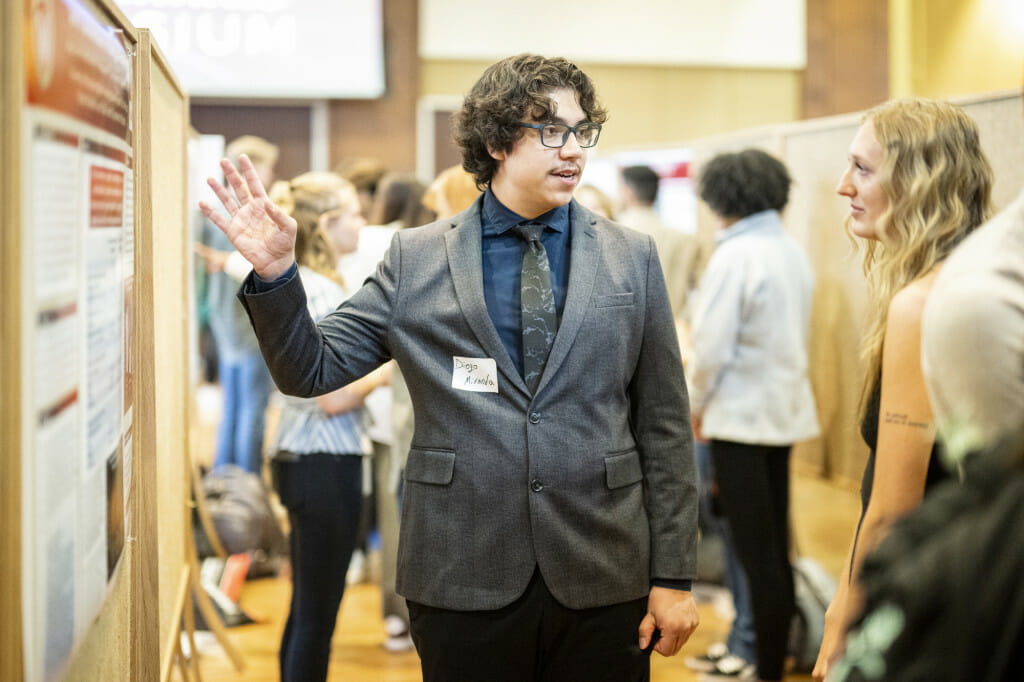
(503, 253)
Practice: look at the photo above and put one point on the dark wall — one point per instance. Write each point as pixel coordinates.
(847, 56)
(286, 126)
(385, 128)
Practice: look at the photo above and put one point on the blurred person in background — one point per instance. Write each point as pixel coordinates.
(918, 183)
(750, 394)
(452, 191)
(679, 253)
(244, 379)
(596, 200)
(364, 173)
(317, 462)
(396, 206)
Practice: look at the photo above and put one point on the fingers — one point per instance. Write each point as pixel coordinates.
(228, 201)
(238, 185)
(669, 644)
(646, 631)
(282, 219)
(216, 217)
(252, 179)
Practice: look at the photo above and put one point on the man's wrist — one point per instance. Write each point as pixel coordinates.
(276, 269)
(261, 284)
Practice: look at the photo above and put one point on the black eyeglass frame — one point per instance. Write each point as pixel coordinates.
(565, 135)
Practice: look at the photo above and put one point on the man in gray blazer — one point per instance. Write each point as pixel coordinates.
(549, 518)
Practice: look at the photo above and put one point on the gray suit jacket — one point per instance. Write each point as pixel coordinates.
(591, 479)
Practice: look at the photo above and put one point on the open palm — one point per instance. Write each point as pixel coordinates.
(262, 232)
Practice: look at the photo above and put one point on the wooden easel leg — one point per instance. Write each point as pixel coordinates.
(190, 630)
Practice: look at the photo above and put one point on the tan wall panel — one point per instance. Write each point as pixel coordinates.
(656, 105)
(816, 157)
(1001, 120)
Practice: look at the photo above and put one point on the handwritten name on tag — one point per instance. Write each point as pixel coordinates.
(475, 374)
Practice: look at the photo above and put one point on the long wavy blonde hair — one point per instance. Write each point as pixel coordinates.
(938, 183)
(305, 198)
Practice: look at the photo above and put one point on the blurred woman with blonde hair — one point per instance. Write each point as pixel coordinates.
(918, 183)
(451, 192)
(317, 465)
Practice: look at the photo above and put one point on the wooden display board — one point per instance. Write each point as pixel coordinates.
(95, 257)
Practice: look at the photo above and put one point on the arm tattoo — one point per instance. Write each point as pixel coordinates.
(897, 419)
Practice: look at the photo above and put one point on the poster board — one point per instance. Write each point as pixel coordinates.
(81, 544)
(77, 222)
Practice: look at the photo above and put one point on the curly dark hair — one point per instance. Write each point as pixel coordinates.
(509, 92)
(643, 180)
(739, 184)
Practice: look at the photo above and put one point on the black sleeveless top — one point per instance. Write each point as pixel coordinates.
(937, 473)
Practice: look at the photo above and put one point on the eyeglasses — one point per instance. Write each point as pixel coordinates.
(557, 134)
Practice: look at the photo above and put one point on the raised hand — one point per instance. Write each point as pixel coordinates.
(262, 232)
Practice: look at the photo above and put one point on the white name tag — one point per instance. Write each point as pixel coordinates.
(475, 374)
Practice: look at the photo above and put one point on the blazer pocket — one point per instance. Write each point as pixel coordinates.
(436, 467)
(623, 469)
(614, 300)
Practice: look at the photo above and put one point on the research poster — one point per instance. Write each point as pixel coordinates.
(77, 266)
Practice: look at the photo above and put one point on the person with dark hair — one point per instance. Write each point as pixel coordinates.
(679, 252)
(750, 395)
(549, 510)
(365, 174)
(399, 202)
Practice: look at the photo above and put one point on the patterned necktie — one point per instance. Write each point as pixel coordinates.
(540, 321)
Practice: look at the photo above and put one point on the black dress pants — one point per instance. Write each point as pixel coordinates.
(753, 489)
(534, 638)
(323, 494)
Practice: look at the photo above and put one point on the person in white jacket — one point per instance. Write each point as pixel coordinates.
(749, 394)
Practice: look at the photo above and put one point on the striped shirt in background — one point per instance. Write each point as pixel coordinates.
(305, 428)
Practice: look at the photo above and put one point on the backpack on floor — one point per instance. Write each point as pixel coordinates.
(239, 506)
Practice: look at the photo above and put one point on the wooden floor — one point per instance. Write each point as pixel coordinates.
(824, 516)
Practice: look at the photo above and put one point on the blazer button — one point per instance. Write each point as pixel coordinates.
(535, 417)
(536, 486)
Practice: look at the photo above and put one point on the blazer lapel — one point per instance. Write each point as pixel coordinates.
(583, 259)
(465, 261)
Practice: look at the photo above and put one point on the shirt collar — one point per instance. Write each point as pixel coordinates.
(498, 218)
(756, 222)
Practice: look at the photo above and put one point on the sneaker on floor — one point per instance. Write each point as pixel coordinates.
(398, 635)
(706, 662)
(398, 643)
(731, 667)
(358, 570)
(395, 626)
